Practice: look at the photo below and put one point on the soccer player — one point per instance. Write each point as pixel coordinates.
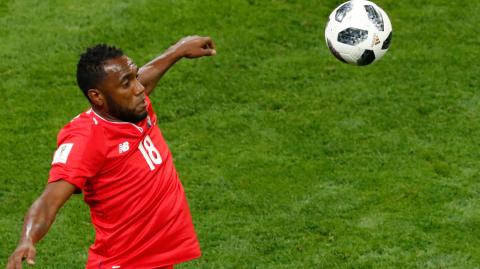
(115, 154)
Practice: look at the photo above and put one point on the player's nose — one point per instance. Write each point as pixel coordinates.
(138, 89)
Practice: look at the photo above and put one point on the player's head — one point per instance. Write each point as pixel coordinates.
(108, 78)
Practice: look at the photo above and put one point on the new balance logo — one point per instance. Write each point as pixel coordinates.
(123, 147)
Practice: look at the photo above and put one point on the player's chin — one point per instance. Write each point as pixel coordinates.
(143, 110)
(142, 115)
(136, 116)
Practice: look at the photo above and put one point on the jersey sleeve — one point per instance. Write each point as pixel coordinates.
(80, 154)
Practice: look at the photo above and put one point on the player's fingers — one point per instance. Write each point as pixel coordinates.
(209, 52)
(31, 256)
(209, 42)
(209, 46)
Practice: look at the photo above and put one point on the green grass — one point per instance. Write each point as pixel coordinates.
(290, 159)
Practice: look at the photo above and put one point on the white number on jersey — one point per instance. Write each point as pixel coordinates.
(150, 152)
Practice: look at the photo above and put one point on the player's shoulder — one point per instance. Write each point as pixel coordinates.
(83, 126)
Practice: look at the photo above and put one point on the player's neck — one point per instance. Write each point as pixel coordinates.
(105, 115)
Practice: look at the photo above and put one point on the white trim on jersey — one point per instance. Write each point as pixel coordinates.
(119, 122)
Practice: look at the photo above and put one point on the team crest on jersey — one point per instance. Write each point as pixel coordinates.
(149, 122)
(123, 147)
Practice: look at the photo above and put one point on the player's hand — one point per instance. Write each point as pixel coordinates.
(195, 46)
(24, 251)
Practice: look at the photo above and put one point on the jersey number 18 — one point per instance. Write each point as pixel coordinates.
(150, 152)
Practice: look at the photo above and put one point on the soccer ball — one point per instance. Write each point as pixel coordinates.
(358, 32)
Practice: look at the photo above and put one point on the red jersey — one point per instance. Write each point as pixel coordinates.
(137, 203)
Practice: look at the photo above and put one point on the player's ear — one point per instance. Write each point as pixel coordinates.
(96, 97)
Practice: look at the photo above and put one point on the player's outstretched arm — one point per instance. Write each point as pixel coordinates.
(38, 220)
(188, 47)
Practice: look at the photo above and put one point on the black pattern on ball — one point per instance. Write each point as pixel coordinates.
(342, 11)
(375, 17)
(367, 57)
(386, 43)
(352, 36)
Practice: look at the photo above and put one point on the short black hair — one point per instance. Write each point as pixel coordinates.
(90, 69)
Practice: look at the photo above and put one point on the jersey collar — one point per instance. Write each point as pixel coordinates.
(140, 129)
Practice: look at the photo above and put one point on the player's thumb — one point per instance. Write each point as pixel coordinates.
(31, 256)
(210, 52)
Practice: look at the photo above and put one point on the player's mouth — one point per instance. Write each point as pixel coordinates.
(143, 104)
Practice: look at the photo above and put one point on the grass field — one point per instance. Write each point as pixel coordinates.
(290, 159)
